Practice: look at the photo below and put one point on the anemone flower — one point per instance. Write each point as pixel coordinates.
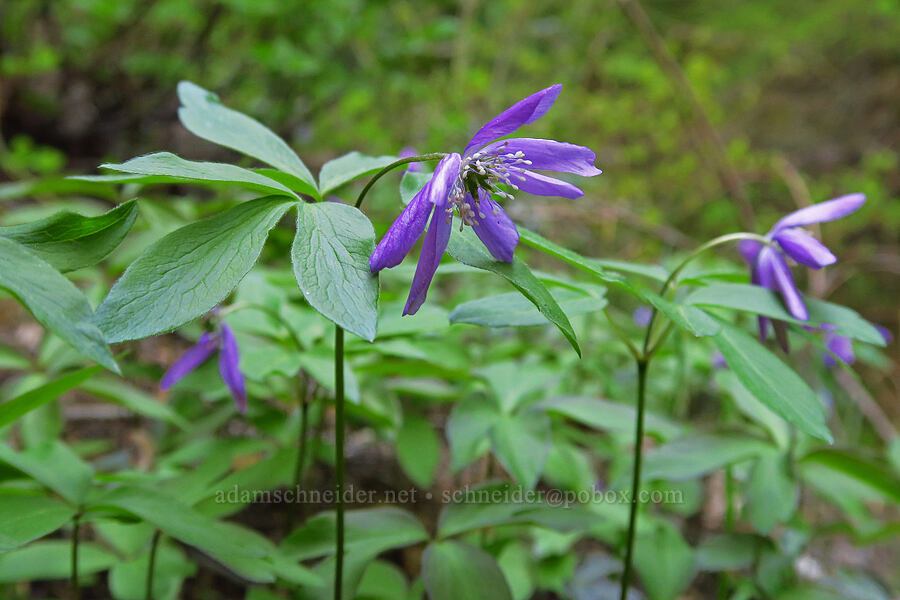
(467, 184)
(229, 359)
(768, 266)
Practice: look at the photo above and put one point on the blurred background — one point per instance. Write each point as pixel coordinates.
(707, 117)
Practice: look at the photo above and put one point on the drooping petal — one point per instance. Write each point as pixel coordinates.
(432, 250)
(749, 249)
(496, 231)
(804, 248)
(549, 155)
(541, 185)
(444, 177)
(190, 360)
(822, 212)
(229, 362)
(839, 346)
(403, 232)
(525, 111)
(885, 333)
(775, 274)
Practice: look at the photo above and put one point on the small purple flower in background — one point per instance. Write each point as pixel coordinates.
(838, 346)
(413, 167)
(229, 359)
(466, 183)
(642, 315)
(718, 361)
(842, 347)
(768, 266)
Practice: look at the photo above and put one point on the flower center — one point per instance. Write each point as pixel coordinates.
(485, 170)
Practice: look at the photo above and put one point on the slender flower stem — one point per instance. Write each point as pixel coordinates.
(301, 442)
(391, 167)
(643, 358)
(151, 566)
(76, 526)
(339, 457)
(642, 365)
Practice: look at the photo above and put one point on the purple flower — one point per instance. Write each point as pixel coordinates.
(642, 315)
(768, 266)
(467, 184)
(838, 346)
(413, 167)
(229, 359)
(718, 361)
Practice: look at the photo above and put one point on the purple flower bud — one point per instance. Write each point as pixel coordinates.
(642, 315)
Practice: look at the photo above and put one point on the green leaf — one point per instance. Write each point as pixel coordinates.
(30, 400)
(331, 263)
(188, 272)
(165, 167)
(690, 318)
(880, 480)
(514, 310)
(700, 453)
(128, 580)
(771, 381)
(411, 184)
(69, 241)
(465, 247)
(348, 167)
(607, 416)
(758, 300)
(24, 517)
(53, 300)
(53, 560)
(457, 571)
(205, 116)
(729, 551)
(368, 531)
(183, 522)
(664, 561)
(118, 391)
(467, 429)
(771, 492)
(522, 443)
(55, 466)
(418, 449)
(573, 258)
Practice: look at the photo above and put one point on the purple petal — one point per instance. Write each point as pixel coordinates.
(718, 361)
(523, 112)
(642, 315)
(408, 152)
(804, 248)
(840, 346)
(775, 274)
(432, 250)
(822, 212)
(541, 185)
(496, 231)
(444, 177)
(763, 324)
(229, 360)
(749, 249)
(403, 233)
(190, 360)
(549, 155)
(885, 333)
